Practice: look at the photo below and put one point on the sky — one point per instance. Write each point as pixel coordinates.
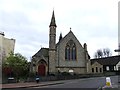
(94, 22)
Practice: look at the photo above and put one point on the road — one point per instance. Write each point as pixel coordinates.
(84, 83)
(88, 83)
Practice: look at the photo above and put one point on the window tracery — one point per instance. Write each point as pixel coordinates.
(70, 50)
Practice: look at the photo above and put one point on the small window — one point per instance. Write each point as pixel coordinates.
(100, 69)
(107, 68)
(96, 69)
(114, 68)
(118, 67)
(92, 69)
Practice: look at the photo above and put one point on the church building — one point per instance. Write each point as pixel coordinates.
(67, 55)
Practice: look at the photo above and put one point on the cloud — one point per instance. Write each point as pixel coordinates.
(92, 21)
(14, 19)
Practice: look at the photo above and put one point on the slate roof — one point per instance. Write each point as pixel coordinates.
(113, 60)
(42, 51)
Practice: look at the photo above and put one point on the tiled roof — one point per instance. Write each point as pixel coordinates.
(113, 60)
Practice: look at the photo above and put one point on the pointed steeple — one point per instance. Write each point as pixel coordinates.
(53, 23)
(60, 37)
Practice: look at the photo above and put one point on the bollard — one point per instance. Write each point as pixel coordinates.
(108, 85)
(108, 82)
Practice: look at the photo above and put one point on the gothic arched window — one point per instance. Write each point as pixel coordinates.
(70, 51)
(73, 53)
(67, 53)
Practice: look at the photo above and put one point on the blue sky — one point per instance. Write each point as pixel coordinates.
(94, 22)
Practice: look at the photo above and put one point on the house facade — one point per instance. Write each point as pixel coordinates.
(96, 67)
(106, 64)
(6, 46)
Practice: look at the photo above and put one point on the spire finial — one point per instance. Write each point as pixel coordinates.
(70, 28)
(53, 23)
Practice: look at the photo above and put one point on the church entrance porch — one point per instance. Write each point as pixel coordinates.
(42, 68)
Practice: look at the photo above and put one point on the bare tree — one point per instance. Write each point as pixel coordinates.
(99, 53)
(102, 53)
(107, 52)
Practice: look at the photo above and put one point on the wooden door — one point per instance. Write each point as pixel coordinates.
(41, 70)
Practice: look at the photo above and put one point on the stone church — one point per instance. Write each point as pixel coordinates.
(67, 55)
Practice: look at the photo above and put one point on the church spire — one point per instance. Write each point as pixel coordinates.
(60, 37)
(53, 23)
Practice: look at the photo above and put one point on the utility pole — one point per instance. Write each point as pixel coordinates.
(0, 66)
(118, 50)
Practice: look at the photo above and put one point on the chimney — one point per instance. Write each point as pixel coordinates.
(2, 33)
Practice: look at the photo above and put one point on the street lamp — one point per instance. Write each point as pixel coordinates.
(117, 50)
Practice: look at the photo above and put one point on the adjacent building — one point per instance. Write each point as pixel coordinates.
(6, 45)
(106, 64)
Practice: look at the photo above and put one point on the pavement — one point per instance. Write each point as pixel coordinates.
(29, 84)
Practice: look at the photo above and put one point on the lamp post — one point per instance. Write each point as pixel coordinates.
(118, 50)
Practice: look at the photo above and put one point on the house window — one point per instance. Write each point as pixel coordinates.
(100, 69)
(92, 69)
(107, 68)
(70, 51)
(119, 68)
(114, 68)
(96, 69)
